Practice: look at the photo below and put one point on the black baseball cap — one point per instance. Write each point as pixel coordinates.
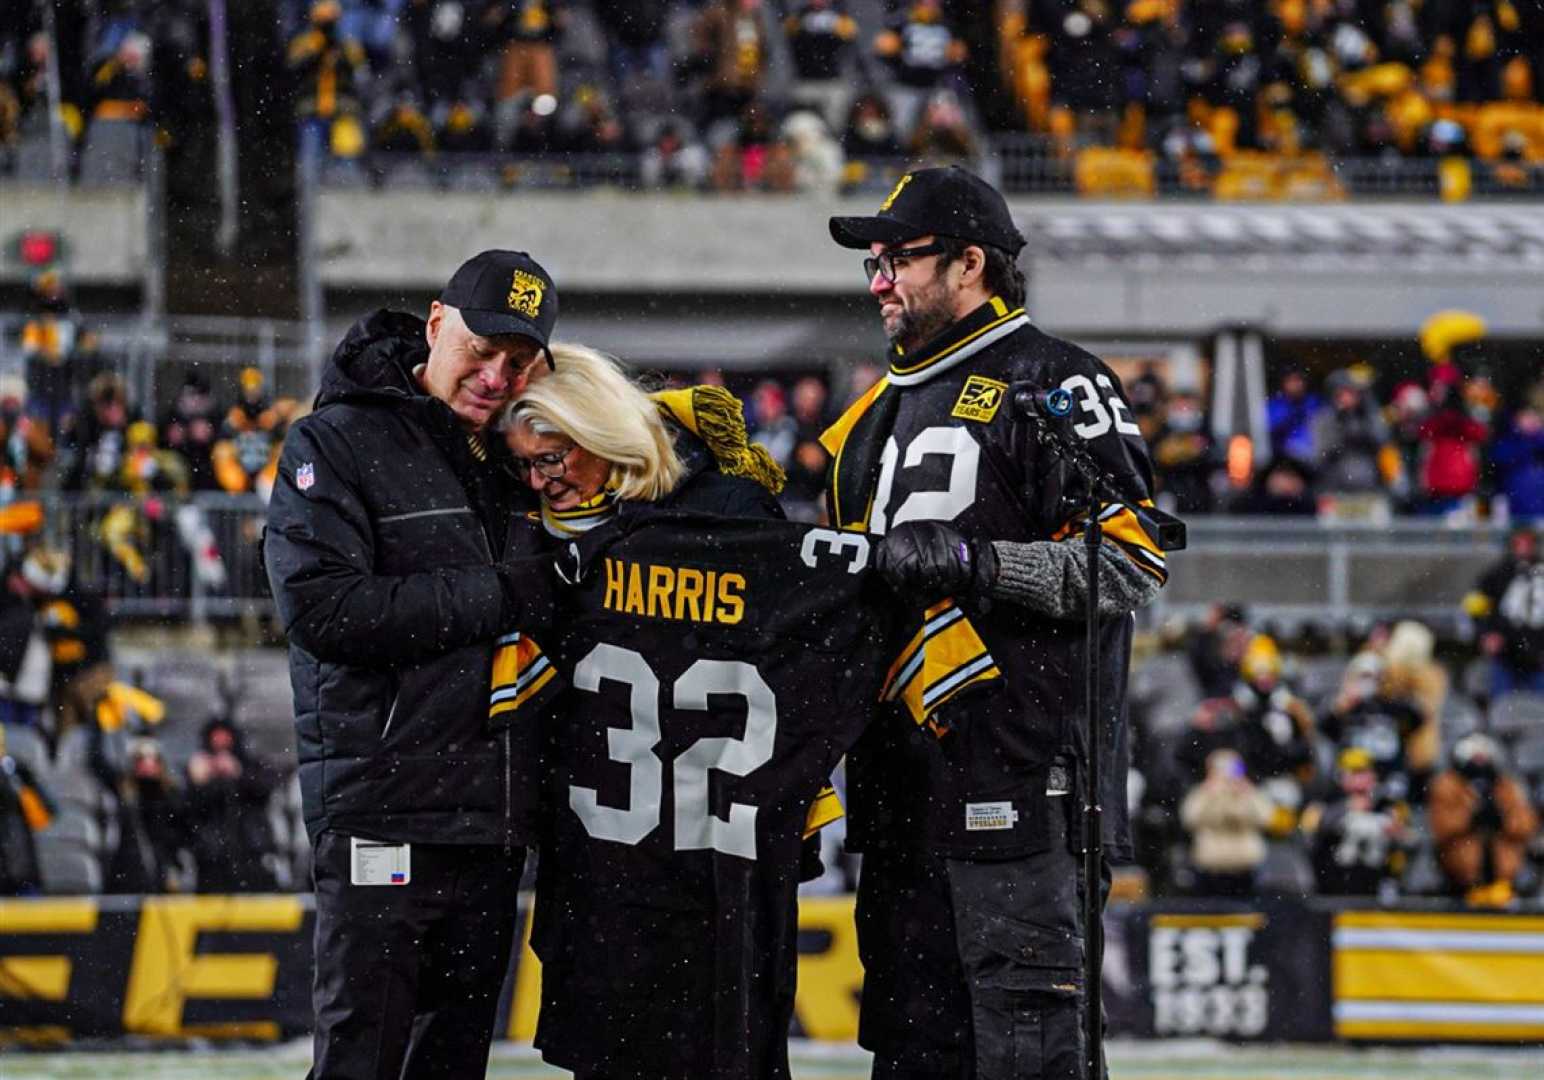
(941, 202)
(505, 292)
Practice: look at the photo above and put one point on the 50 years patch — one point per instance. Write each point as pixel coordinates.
(979, 399)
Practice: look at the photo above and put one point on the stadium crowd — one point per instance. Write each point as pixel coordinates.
(1223, 96)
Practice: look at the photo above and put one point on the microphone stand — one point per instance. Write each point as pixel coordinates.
(1047, 412)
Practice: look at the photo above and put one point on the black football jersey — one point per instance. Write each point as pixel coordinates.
(947, 443)
(713, 673)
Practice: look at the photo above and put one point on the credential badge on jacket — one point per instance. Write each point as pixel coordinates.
(305, 476)
(525, 294)
(979, 399)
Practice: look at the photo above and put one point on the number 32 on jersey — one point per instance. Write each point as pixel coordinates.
(964, 454)
(636, 746)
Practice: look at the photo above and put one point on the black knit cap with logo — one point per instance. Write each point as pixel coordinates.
(505, 292)
(938, 202)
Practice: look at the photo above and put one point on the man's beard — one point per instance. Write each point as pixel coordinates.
(931, 315)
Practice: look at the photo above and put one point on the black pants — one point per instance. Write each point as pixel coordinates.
(972, 970)
(408, 976)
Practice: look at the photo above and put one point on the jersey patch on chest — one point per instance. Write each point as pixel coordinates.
(979, 399)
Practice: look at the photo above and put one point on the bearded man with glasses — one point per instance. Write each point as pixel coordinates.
(969, 920)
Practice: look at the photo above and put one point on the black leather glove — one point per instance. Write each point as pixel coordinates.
(926, 561)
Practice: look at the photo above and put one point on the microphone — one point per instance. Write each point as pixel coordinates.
(1053, 404)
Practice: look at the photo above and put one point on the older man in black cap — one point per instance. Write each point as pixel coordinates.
(969, 925)
(385, 551)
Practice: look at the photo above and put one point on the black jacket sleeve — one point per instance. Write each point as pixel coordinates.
(319, 550)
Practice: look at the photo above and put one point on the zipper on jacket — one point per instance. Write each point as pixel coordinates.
(509, 821)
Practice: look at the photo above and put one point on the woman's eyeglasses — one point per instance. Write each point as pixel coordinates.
(883, 264)
(549, 466)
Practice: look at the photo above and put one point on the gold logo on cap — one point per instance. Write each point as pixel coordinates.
(979, 399)
(525, 294)
(890, 198)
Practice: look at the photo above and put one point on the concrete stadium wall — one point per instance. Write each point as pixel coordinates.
(104, 230)
(607, 242)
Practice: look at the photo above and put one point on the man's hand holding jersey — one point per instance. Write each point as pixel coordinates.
(927, 561)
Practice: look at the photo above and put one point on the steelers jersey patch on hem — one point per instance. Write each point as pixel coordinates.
(979, 399)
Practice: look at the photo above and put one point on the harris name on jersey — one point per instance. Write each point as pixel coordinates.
(681, 593)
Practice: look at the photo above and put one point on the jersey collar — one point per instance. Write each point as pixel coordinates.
(990, 322)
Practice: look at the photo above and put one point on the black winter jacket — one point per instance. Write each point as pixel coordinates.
(381, 544)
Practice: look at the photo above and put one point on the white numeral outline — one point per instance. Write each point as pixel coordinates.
(964, 454)
(696, 828)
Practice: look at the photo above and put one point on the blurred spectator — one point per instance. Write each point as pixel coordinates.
(822, 39)
(403, 128)
(74, 623)
(1285, 489)
(1450, 445)
(807, 464)
(1389, 707)
(120, 83)
(1349, 437)
(942, 135)
(443, 48)
(1360, 839)
(814, 155)
(1290, 413)
(527, 125)
(1517, 457)
(329, 69)
(464, 130)
(870, 133)
(752, 158)
(1481, 822)
(190, 427)
(251, 437)
(730, 41)
(27, 448)
(1225, 815)
(773, 428)
(25, 808)
(1275, 730)
(635, 40)
(227, 797)
(1507, 605)
(1148, 394)
(49, 340)
(674, 158)
(921, 48)
(95, 448)
(1217, 647)
(152, 834)
(528, 30)
(591, 126)
(1408, 408)
(1184, 454)
(1083, 59)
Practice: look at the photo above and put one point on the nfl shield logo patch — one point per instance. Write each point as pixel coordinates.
(305, 476)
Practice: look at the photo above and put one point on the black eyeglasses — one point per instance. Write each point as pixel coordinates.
(549, 466)
(883, 264)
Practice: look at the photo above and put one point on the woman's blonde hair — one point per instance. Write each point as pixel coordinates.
(589, 398)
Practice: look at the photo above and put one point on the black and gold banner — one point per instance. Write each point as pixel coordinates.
(239, 967)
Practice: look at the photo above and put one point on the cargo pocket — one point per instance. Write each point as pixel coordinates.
(1026, 995)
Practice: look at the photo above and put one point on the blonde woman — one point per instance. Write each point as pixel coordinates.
(596, 447)
(591, 443)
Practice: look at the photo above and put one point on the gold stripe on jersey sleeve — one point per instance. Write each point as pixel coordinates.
(826, 808)
(944, 658)
(520, 672)
(1123, 527)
